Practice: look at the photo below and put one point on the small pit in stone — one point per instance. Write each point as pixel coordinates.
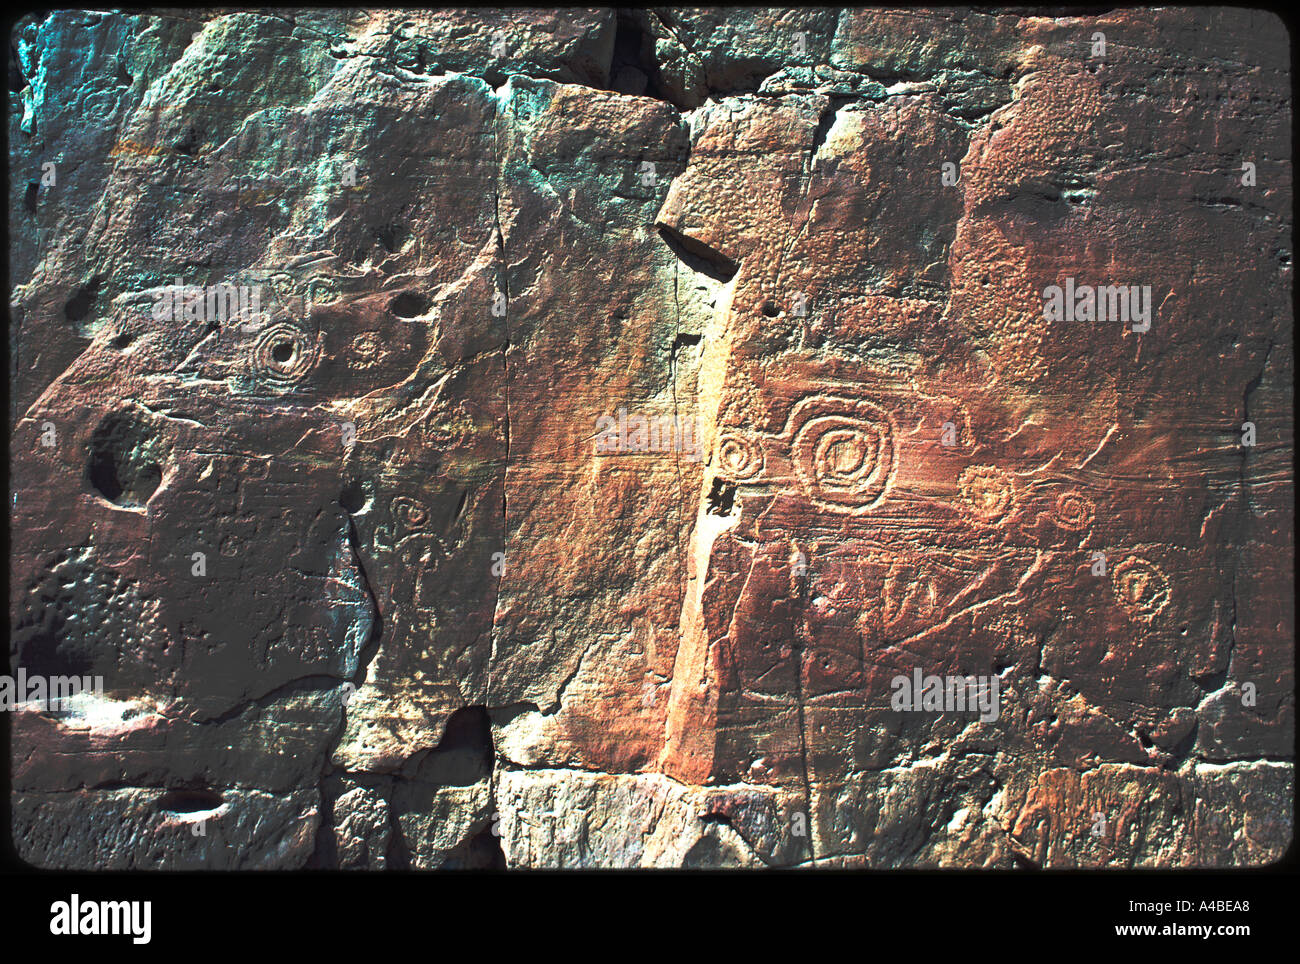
(79, 305)
(124, 464)
(282, 351)
(188, 143)
(353, 497)
(409, 304)
(392, 237)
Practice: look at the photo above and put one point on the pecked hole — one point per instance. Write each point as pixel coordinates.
(392, 237)
(353, 497)
(122, 465)
(82, 300)
(409, 304)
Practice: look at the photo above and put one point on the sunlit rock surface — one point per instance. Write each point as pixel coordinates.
(626, 408)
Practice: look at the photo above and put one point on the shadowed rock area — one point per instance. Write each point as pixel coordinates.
(651, 438)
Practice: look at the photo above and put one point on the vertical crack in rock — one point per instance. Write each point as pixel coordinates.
(824, 125)
(1247, 520)
(371, 648)
(677, 465)
(504, 282)
(800, 651)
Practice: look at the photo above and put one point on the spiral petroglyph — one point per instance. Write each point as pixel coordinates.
(1073, 511)
(843, 452)
(740, 457)
(409, 514)
(577, 420)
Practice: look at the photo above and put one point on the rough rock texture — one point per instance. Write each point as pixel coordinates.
(367, 587)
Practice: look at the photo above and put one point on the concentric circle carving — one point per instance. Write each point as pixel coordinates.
(322, 291)
(1074, 511)
(409, 514)
(1142, 588)
(740, 457)
(843, 451)
(283, 354)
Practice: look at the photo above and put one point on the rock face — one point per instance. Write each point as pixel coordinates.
(651, 438)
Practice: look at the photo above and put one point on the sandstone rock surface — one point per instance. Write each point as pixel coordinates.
(632, 399)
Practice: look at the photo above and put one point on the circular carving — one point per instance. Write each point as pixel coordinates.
(283, 354)
(367, 350)
(1074, 511)
(740, 458)
(280, 281)
(408, 513)
(1142, 588)
(988, 491)
(322, 291)
(844, 453)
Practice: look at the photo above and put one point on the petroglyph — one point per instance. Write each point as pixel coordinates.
(633, 396)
